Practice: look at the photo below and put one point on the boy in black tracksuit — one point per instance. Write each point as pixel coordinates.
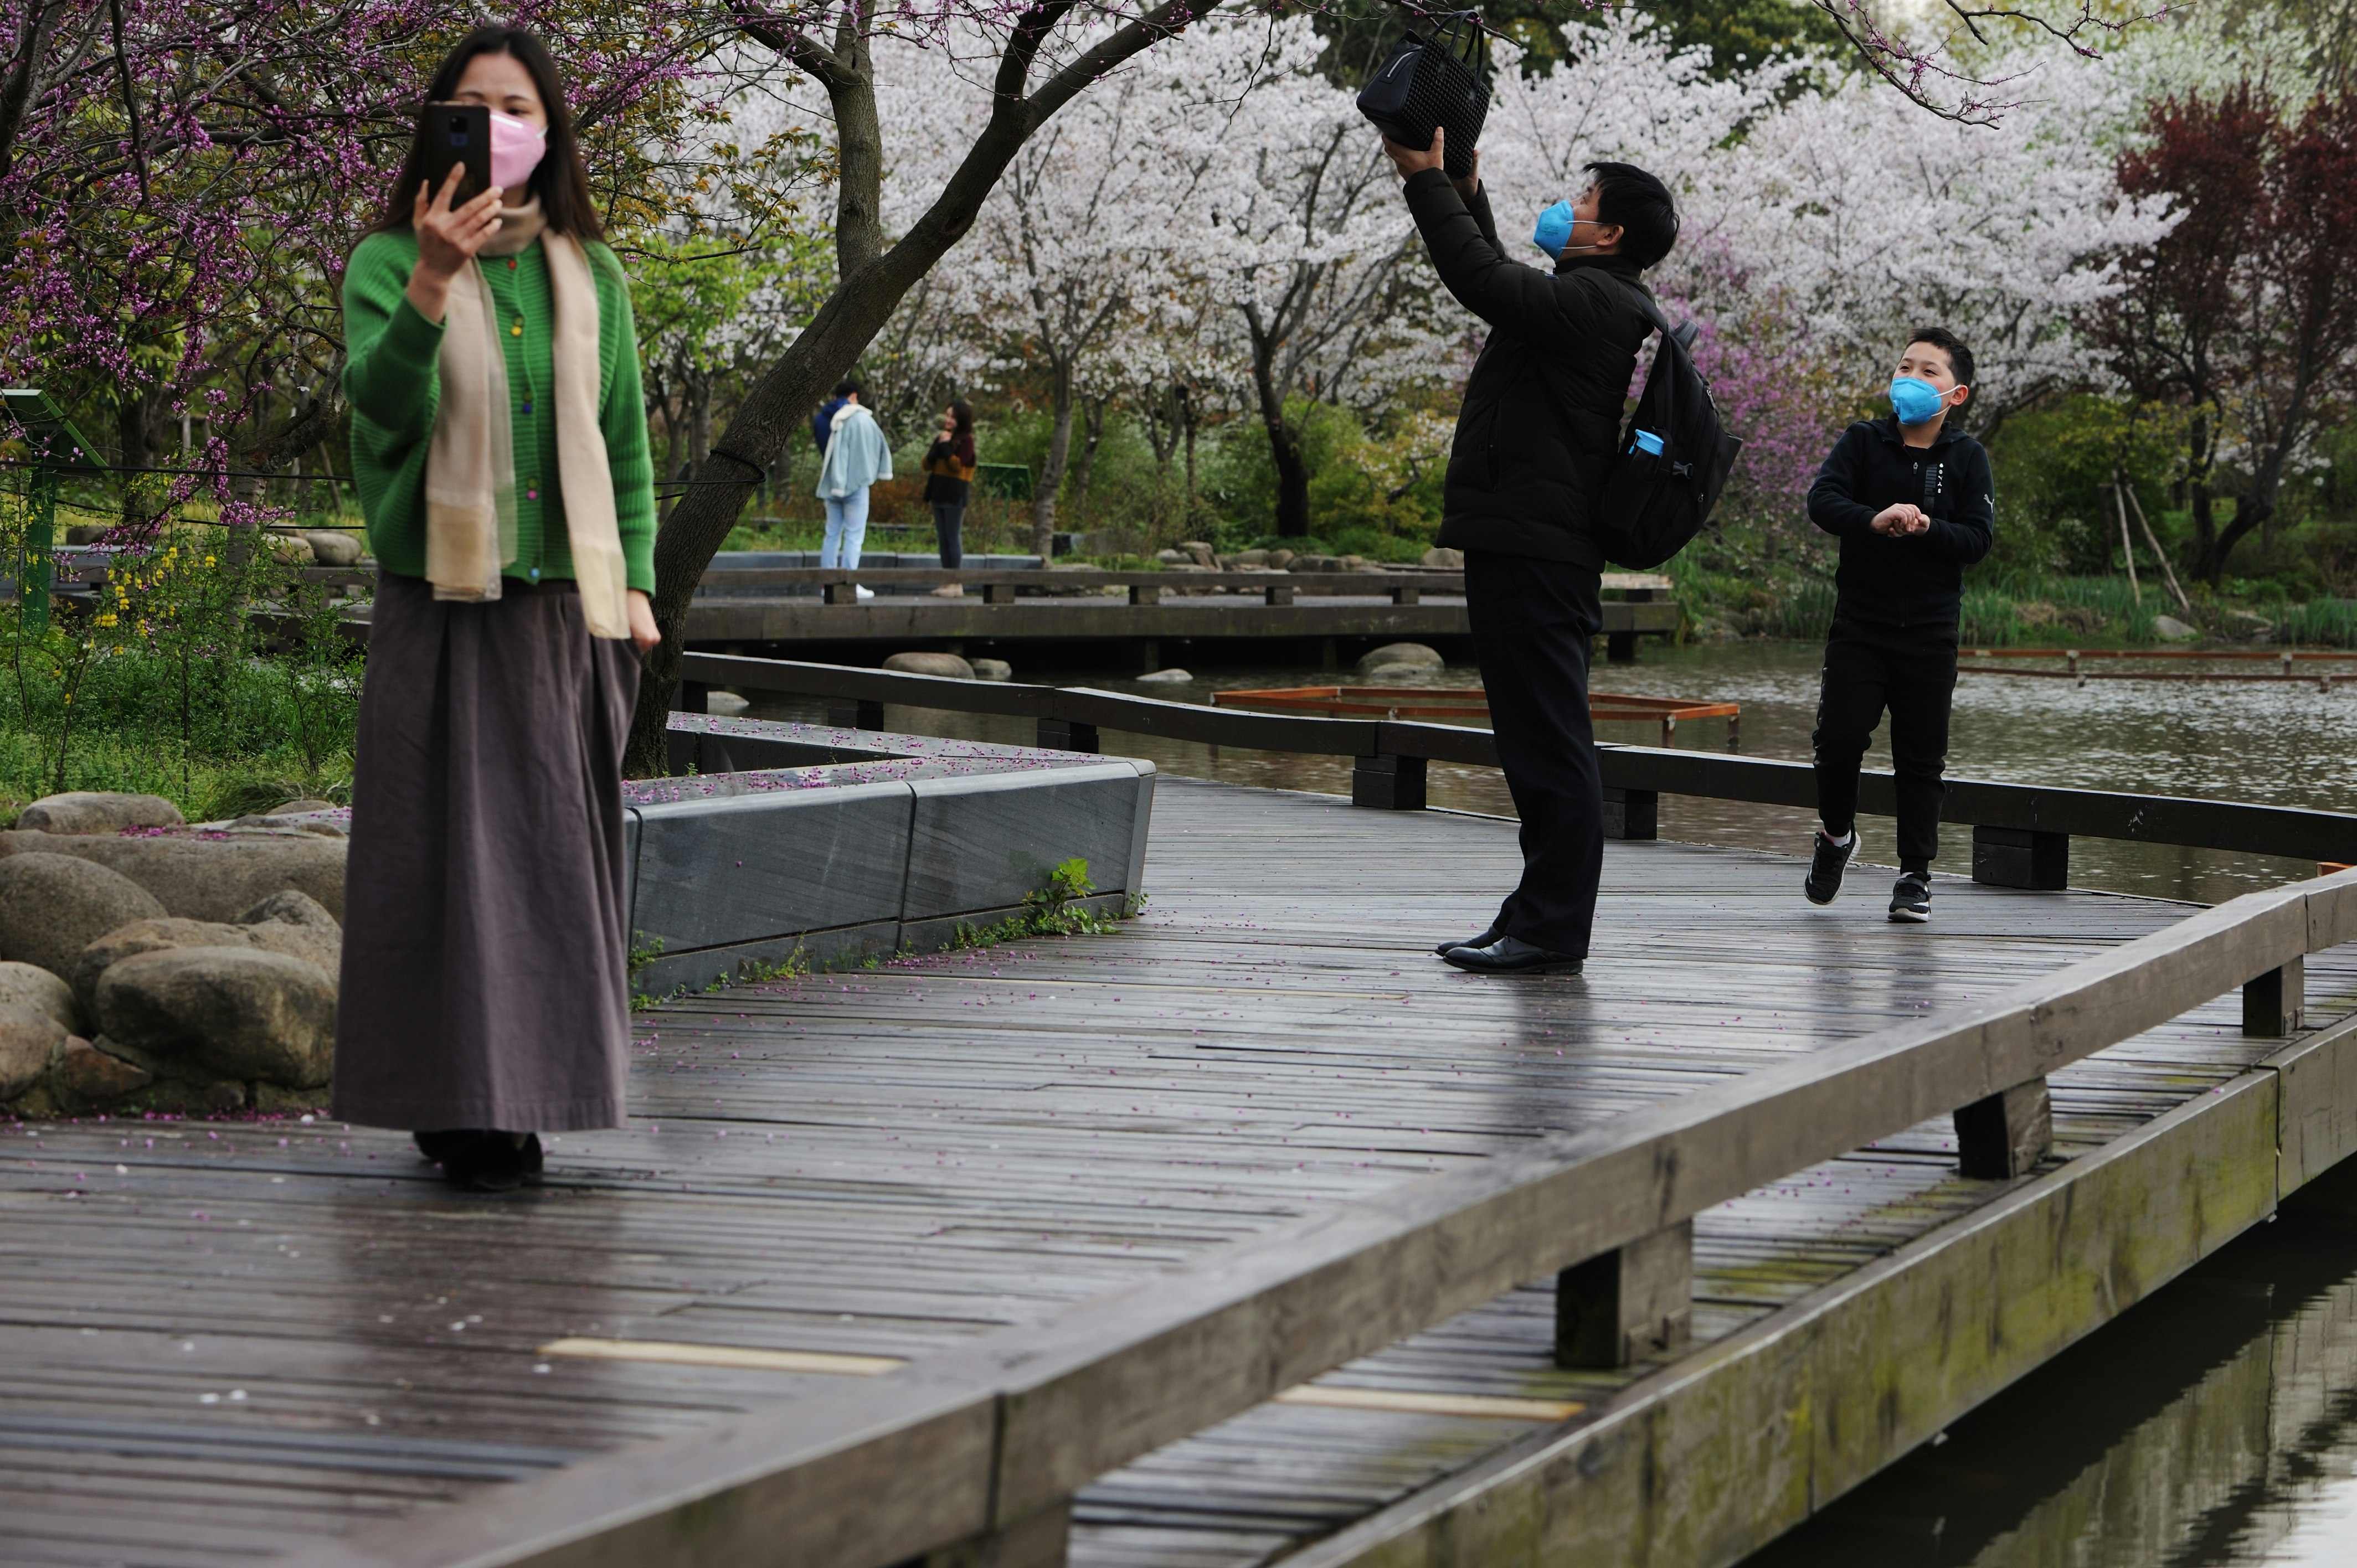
(1913, 504)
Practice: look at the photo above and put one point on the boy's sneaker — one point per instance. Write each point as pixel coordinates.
(1911, 901)
(1825, 868)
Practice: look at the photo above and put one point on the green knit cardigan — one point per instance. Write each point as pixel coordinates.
(394, 385)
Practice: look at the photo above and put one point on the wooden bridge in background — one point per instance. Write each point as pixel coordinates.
(1248, 1232)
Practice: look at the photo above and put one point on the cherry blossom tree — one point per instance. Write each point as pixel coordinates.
(1308, 265)
(1069, 260)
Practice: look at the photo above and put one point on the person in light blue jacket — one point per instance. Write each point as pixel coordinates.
(858, 455)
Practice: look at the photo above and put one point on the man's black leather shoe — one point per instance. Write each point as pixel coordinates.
(1483, 940)
(1510, 955)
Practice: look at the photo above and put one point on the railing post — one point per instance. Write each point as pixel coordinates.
(1631, 813)
(2274, 1002)
(859, 715)
(694, 697)
(1144, 594)
(2022, 857)
(842, 592)
(1068, 734)
(999, 593)
(2005, 1135)
(1629, 1304)
(1388, 783)
(1620, 648)
(1038, 1540)
(1279, 594)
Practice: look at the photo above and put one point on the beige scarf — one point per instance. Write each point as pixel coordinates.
(470, 520)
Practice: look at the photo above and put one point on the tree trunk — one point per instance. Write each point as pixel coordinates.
(1284, 440)
(1092, 425)
(1188, 419)
(1051, 467)
(2199, 501)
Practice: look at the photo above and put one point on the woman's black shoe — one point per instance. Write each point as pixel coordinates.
(438, 1147)
(494, 1162)
(1483, 940)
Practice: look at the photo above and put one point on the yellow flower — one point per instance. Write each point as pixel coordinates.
(208, 560)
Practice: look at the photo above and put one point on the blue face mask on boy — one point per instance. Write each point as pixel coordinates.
(1554, 231)
(1915, 403)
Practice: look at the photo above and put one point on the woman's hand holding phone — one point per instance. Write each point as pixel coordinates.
(447, 238)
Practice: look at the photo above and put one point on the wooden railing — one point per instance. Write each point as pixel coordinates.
(2021, 832)
(985, 1443)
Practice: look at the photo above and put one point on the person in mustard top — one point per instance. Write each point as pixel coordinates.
(500, 448)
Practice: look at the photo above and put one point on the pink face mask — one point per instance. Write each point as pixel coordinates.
(517, 148)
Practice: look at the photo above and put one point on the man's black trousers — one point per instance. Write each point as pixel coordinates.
(1910, 670)
(1533, 622)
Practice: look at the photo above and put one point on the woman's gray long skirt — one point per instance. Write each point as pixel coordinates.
(486, 976)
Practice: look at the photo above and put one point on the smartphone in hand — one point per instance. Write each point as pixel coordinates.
(458, 135)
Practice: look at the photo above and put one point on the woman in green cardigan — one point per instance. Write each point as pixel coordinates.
(499, 443)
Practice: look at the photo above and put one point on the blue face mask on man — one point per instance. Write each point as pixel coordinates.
(1554, 231)
(1914, 402)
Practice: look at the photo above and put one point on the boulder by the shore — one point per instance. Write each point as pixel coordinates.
(203, 876)
(53, 906)
(946, 664)
(1399, 657)
(98, 811)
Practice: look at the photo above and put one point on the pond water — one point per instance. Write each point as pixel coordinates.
(2212, 1426)
(2288, 743)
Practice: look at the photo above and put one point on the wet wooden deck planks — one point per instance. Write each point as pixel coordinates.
(217, 1339)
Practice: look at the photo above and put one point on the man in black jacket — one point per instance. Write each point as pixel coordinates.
(1539, 425)
(1913, 504)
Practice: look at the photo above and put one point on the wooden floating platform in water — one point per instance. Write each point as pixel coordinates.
(221, 1340)
(1471, 703)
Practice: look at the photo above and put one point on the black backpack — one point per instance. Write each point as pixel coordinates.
(1672, 461)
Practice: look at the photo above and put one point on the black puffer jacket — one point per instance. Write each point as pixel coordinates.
(1544, 404)
(1918, 580)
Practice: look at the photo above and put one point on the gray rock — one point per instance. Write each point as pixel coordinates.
(290, 923)
(30, 1042)
(294, 807)
(1279, 560)
(334, 546)
(993, 670)
(2168, 628)
(727, 705)
(1251, 560)
(1401, 655)
(293, 907)
(92, 1076)
(27, 985)
(204, 879)
(53, 906)
(243, 1014)
(98, 811)
(947, 664)
(1441, 556)
(1166, 678)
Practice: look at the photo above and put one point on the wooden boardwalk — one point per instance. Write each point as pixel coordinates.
(221, 1339)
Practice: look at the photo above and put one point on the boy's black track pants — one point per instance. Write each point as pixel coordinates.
(1532, 624)
(1912, 672)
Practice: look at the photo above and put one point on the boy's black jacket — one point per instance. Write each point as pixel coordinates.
(1542, 407)
(1918, 581)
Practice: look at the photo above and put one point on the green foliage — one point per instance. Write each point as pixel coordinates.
(1047, 911)
(207, 674)
(2054, 468)
(1742, 34)
(1377, 496)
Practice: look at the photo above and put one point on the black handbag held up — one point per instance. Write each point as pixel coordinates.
(1441, 80)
